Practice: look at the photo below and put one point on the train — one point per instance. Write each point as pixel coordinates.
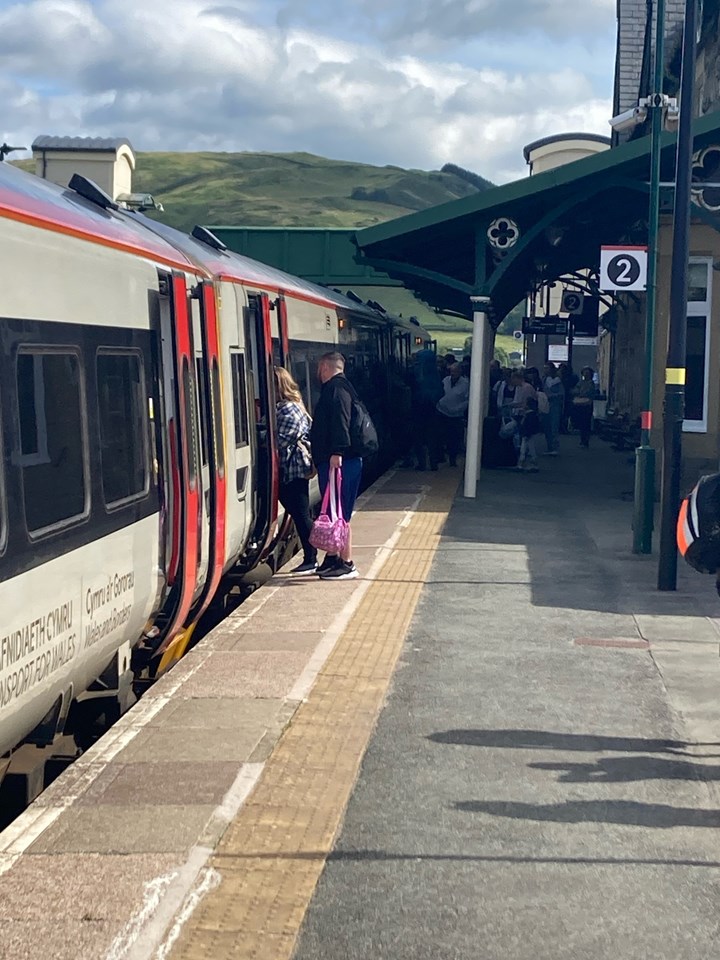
(139, 478)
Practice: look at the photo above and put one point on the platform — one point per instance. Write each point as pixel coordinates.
(110, 859)
(500, 742)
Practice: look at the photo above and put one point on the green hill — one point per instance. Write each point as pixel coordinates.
(288, 189)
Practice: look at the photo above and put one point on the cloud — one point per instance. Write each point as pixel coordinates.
(427, 23)
(226, 75)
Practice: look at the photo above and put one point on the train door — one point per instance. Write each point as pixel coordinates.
(261, 390)
(213, 440)
(183, 481)
(281, 356)
(201, 386)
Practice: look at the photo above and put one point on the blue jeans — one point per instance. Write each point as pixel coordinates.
(351, 474)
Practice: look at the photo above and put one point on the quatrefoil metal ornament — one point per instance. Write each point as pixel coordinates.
(503, 234)
(706, 170)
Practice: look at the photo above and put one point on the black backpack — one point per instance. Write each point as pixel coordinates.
(698, 526)
(363, 435)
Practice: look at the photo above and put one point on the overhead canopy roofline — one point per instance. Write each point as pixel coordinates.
(499, 242)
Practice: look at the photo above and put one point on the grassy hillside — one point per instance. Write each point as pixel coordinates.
(292, 190)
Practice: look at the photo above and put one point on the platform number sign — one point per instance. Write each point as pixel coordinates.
(623, 268)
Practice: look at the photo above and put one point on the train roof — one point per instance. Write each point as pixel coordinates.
(228, 265)
(30, 199)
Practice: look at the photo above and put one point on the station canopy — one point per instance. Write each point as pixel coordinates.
(503, 242)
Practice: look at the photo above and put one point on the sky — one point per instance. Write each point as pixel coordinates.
(412, 83)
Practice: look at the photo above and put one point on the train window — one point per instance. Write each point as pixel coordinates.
(240, 399)
(300, 370)
(51, 412)
(123, 425)
(201, 388)
(190, 423)
(217, 418)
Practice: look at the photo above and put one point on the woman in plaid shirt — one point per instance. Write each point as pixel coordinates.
(296, 466)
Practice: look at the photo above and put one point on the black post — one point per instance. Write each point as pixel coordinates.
(674, 410)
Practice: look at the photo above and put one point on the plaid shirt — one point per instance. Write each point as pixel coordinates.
(293, 426)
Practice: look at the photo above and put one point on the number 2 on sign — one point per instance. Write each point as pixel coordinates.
(625, 275)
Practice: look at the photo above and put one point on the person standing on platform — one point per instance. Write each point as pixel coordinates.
(452, 409)
(296, 466)
(426, 391)
(582, 405)
(524, 391)
(555, 392)
(529, 429)
(332, 449)
(504, 394)
(569, 382)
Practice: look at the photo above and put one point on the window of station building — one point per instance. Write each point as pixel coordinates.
(123, 426)
(240, 404)
(697, 353)
(51, 413)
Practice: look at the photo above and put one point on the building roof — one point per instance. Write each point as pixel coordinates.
(560, 138)
(81, 144)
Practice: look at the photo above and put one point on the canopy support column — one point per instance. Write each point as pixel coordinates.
(478, 390)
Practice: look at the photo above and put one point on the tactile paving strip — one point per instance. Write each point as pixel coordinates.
(272, 855)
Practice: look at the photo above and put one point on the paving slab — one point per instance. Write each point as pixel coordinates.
(224, 713)
(162, 783)
(201, 743)
(267, 674)
(294, 641)
(88, 888)
(125, 829)
(70, 940)
(683, 628)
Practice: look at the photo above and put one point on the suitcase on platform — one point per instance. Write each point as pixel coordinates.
(497, 451)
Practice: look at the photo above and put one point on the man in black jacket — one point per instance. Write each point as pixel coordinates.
(332, 448)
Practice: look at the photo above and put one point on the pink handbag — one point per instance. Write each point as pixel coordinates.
(330, 531)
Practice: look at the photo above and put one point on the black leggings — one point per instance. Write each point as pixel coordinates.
(582, 418)
(295, 497)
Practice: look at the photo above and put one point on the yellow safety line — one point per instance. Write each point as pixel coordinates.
(272, 855)
(675, 376)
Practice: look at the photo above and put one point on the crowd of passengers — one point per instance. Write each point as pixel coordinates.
(528, 405)
(524, 406)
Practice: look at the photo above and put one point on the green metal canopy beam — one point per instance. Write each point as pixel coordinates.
(411, 270)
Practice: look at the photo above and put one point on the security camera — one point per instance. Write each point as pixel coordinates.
(672, 116)
(628, 120)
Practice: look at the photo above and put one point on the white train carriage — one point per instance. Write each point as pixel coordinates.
(81, 562)
(137, 413)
